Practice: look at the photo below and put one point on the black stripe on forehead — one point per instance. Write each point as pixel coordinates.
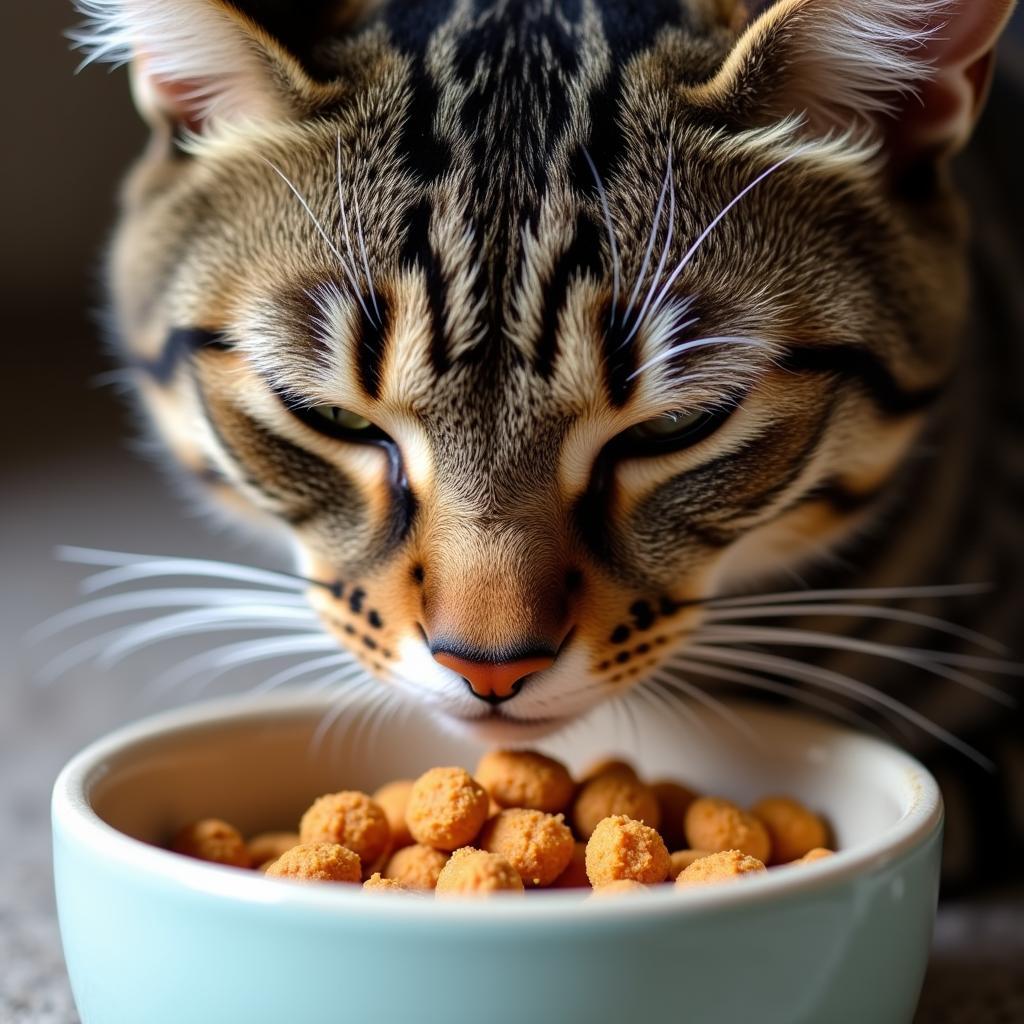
(370, 342)
(418, 252)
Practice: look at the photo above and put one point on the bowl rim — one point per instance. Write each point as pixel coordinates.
(75, 821)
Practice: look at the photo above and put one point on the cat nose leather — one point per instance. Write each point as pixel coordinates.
(494, 681)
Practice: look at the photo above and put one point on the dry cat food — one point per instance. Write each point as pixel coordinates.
(521, 822)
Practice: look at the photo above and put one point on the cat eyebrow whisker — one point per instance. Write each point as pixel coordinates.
(348, 244)
(655, 224)
(610, 227)
(718, 218)
(660, 269)
(356, 291)
(687, 346)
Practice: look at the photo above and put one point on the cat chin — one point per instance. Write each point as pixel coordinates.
(500, 729)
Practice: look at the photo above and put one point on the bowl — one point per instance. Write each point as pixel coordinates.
(151, 937)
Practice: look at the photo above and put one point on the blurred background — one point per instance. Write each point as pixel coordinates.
(69, 475)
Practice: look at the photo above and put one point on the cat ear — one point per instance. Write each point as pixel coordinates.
(919, 69)
(194, 61)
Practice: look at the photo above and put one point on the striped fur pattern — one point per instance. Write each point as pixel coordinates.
(505, 233)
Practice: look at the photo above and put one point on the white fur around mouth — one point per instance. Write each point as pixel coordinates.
(498, 727)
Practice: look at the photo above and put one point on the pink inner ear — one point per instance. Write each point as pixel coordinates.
(180, 101)
(970, 31)
(961, 51)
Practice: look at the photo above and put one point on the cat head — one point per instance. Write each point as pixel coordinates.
(532, 325)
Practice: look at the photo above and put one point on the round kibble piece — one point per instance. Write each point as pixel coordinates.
(623, 848)
(350, 819)
(618, 887)
(317, 862)
(794, 830)
(608, 766)
(538, 845)
(673, 802)
(269, 846)
(525, 778)
(723, 866)
(472, 872)
(611, 794)
(392, 800)
(213, 840)
(713, 824)
(378, 883)
(416, 866)
(575, 875)
(680, 860)
(446, 808)
(820, 853)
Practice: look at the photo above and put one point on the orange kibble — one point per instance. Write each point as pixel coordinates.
(618, 887)
(608, 766)
(623, 848)
(446, 808)
(317, 862)
(674, 801)
(724, 866)
(525, 778)
(392, 800)
(819, 853)
(716, 825)
(416, 866)
(378, 883)
(575, 874)
(614, 793)
(538, 845)
(213, 840)
(471, 872)
(268, 846)
(680, 860)
(794, 830)
(350, 819)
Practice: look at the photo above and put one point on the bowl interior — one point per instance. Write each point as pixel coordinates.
(259, 763)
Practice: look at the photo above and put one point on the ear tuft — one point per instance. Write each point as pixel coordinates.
(918, 65)
(192, 59)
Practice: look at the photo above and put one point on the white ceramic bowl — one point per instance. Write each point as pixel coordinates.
(154, 938)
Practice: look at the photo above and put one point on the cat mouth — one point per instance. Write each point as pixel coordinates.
(498, 726)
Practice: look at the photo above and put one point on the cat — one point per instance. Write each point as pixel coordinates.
(554, 334)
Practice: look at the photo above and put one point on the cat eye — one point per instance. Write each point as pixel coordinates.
(334, 421)
(671, 432)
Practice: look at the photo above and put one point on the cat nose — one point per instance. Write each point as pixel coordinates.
(492, 679)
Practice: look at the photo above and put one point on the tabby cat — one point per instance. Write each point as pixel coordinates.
(554, 332)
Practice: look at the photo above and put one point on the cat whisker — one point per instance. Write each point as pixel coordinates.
(837, 682)
(286, 675)
(126, 568)
(720, 614)
(654, 696)
(167, 597)
(216, 662)
(354, 690)
(757, 682)
(931, 661)
(673, 681)
(610, 227)
(852, 593)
